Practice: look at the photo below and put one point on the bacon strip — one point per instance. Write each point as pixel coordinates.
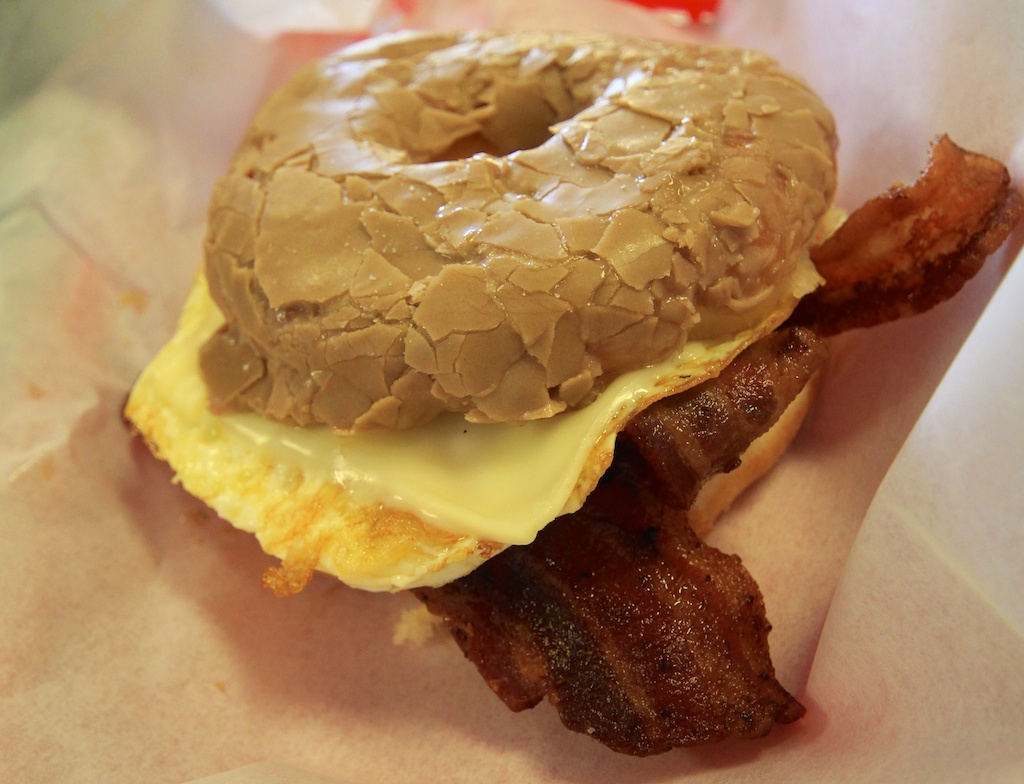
(688, 438)
(640, 634)
(915, 246)
(645, 640)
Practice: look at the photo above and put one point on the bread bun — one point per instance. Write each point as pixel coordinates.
(500, 225)
(718, 493)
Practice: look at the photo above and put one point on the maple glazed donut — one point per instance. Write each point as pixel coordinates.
(499, 225)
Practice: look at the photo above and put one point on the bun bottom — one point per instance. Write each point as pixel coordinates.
(718, 494)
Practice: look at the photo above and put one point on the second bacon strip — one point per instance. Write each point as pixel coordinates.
(915, 246)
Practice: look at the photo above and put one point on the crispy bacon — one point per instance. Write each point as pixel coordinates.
(690, 437)
(645, 640)
(915, 246)
(641, 635)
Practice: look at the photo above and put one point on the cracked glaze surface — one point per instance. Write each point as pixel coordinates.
(498, 226)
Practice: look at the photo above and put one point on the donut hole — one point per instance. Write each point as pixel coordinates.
(519, 117)
(468, 146)
(499, 141)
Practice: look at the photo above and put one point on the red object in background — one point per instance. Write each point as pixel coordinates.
(405, 7)
(699, 10)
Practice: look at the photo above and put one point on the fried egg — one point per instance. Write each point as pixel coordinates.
(387, 511)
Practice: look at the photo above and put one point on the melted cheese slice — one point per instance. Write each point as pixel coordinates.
(394, 510)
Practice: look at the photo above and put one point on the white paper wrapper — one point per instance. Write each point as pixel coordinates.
(136, 643)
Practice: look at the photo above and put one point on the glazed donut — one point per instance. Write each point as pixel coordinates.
(498, 225)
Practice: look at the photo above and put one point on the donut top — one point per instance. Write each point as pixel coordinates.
(499, 225)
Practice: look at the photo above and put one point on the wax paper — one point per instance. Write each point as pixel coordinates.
(136, 641)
